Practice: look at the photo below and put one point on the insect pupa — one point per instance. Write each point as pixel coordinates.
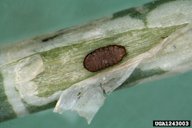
(104, 57)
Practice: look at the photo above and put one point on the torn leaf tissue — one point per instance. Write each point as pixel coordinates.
(36, 73)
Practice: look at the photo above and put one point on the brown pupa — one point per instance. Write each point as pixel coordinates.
(104, 57)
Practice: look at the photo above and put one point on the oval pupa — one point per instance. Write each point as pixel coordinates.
(104, 57)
